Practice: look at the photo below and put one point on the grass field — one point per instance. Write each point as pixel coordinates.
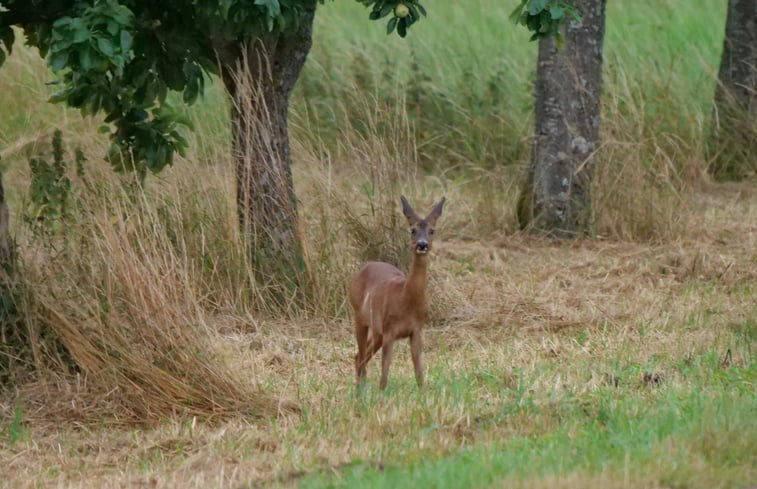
(626, 360)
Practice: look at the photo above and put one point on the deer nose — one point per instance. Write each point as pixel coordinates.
(421, 245)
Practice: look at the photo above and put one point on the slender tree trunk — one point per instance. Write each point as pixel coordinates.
(259, 78)
(6, 298)
(734, 135)
(5, 239)
(556, 199)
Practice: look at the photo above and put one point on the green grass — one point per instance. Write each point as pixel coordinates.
(466, 74)
(698, 431)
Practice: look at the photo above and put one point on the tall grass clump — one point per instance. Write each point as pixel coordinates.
(352, 211)
(120, 300)
(733, 140)
(658, 86)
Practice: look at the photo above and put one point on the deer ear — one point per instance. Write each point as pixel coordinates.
(436, 212)
(412, 217)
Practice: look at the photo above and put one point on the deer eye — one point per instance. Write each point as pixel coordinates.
(412, 231)
(431, 232)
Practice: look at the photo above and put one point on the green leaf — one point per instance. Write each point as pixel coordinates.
(85, 57)
(224, 9)
(59, 96)
(162, 92)
(126, 41)
(413, 12)
(536, 6)
(62, 22)
(273, 7)
(191, 92)
(556, 12)
(113, 116)
(546, 22)
(59, 60)
(385, 11)
(81, 35)
(94, 103)
(402, 27)
(105, 46)
(391, 25)
(113, 27)
(421, 8)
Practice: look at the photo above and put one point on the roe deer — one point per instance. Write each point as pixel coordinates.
(389, 306)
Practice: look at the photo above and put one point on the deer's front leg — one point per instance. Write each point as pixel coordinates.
(386, 358)
(416, 344)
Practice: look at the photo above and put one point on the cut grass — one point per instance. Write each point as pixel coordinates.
(492, 414)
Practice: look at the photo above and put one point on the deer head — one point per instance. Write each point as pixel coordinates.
(421, 230)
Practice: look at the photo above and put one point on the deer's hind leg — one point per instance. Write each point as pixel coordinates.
(373, 344)
(361, 334)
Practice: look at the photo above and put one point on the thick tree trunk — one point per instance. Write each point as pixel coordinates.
(557, 199)
(260, 78)
(734, 135)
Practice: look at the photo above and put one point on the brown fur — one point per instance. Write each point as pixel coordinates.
(389, 306)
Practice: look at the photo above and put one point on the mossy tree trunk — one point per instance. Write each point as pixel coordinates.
(260, 78)
(734, 135)
(556, 199)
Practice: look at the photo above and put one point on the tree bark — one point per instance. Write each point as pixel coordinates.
(556, 199)
(259, 78)
(5, 239)
(734, 135)
(6, 298)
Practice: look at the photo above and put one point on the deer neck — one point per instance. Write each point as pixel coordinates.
(414, 290)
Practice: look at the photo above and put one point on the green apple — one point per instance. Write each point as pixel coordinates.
(401, 10)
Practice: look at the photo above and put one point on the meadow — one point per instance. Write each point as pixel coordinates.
(627, 359)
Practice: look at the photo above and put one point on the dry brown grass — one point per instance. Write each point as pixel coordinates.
(122, 298)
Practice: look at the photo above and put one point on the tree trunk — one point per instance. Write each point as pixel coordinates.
(259, 78)
(5, 239)
(556, 199)
(734, 135)
(7, 352)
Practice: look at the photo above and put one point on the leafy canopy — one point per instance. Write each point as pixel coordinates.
(123, 57)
